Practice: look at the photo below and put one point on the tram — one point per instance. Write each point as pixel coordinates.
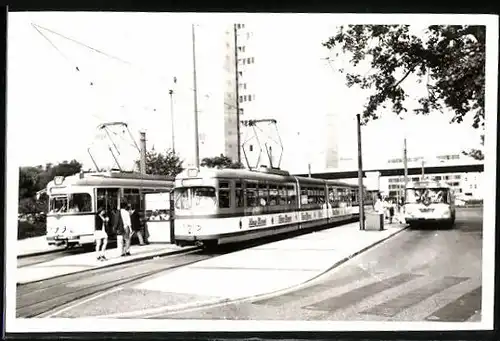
(220, 206)
(429, 201)
(74, 201)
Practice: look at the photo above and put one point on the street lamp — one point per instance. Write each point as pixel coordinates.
(360, 176)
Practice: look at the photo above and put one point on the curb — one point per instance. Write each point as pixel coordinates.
(38, 253)
(145, 257)
(208, 304)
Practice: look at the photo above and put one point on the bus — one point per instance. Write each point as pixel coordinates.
(429, 201)
(74, 201)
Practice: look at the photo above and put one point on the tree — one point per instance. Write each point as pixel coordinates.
(162, 164)
(220, 162)
(33, 179)
(64, 168)
(450, 59)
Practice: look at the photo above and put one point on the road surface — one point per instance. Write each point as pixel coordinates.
(419, 275)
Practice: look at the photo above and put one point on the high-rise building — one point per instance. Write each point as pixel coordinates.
(216, 92)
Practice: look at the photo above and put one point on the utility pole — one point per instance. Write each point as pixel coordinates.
(423, 173)
(405, 162)
(237, 92)
(196, 142)
(360, 178)
(171, 93)
(143, 153)
(309, 168)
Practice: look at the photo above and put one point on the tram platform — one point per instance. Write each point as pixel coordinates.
(35, 246)
(69, 264)
(256, 272)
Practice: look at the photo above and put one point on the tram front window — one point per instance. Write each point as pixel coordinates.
(80, 202)
(432, 195)
(195, 197)
(58, 204)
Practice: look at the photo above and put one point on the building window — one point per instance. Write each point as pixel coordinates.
(241, 99)
(244, 98)
(229, 132)
(251, 148)
(240, 73)
(245, 86)
(250, 97)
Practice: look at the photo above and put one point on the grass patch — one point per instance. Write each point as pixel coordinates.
(26, 229)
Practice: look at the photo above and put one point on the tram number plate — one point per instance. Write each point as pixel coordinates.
(426, 209)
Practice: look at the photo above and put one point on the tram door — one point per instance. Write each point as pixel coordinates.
(108, 199)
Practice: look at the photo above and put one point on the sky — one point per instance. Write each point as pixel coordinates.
(56, 105)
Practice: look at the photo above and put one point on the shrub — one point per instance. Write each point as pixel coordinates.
(26, 229)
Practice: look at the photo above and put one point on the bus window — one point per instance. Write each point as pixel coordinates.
(80, 202)
(224, 195)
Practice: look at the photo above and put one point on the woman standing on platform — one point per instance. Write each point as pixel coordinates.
(100, 235)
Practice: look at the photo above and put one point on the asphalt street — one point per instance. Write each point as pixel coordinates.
(419, 275)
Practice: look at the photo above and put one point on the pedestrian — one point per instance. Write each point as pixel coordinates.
(391, 211)
(379, 205)
(100, 235)
(135, 220)
(127, 227)
(118, 229)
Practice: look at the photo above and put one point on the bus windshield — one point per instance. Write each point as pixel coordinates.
(430, 195)
(195, 197)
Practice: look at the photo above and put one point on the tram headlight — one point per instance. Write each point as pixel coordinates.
(198, 228)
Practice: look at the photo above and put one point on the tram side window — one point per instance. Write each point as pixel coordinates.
(303, 196)
(263, 194)
(251, 195)
(107, 198)
(132, 197)
(224, 195)
(80, 202)
(273, 195)
(292, 198)
(321, 196)
(239, 194)
(282, 195)
(354, 196)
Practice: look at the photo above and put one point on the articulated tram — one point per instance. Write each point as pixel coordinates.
(74, 201)
(219, 206)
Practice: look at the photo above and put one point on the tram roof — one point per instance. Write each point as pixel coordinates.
(112, 179)
(261, 174)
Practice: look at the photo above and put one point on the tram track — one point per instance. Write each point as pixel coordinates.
(43, 298)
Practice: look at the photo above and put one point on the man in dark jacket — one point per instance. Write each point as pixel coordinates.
(135, 220)
(117, 226)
